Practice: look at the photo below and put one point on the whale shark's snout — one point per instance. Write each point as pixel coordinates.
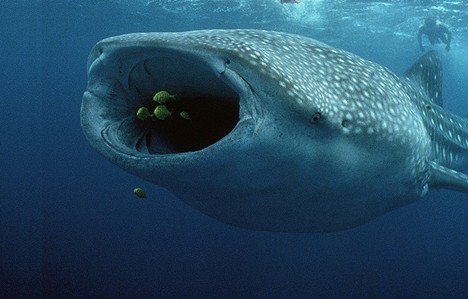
(270, 131)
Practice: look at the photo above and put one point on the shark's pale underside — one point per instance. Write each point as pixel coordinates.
(285, 133)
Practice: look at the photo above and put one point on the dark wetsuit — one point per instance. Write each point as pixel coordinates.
(435, 32)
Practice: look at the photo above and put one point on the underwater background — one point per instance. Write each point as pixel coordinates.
(71, 227)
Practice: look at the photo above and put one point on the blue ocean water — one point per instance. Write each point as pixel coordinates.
(70, 226)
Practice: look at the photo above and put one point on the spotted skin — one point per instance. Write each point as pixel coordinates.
(325, 140)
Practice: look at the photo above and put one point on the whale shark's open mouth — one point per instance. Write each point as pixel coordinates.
(204, 108)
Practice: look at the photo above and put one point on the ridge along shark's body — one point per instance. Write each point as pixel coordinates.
(285, 133)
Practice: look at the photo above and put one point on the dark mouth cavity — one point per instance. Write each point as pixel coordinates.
(204, 109)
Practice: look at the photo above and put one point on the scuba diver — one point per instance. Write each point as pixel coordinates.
(290, 1)
(436, 32)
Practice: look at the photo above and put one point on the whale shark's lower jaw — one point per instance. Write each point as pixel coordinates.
(245, 143)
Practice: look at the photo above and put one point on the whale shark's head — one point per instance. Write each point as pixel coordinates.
(282, 133)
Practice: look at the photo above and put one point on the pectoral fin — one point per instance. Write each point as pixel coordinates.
(443, 177)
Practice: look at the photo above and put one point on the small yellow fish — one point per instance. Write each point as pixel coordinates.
(161, 112)
(139, 192)
(162, 97)
(185, 115)
(143, 113)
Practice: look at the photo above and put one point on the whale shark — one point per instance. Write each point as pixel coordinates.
(279, 132)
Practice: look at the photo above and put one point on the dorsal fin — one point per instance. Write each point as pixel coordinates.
(427, 73)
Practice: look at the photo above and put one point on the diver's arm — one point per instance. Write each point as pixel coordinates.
(420, 33)
(449, 39)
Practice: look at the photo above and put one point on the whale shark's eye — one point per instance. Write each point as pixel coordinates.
(316, 117)
(345, 123)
